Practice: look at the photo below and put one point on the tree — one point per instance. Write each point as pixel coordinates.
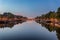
(58, 10)
(8, 14)
(49, 15)
(52, 14)
(58, 13)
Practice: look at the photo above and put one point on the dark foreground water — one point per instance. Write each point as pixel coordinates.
(29, 31)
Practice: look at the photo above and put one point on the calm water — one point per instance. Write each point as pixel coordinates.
(28, 30)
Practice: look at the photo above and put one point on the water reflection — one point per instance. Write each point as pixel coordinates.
(9, 24)
(51, 27)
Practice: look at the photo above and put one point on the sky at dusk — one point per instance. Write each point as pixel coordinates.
(29, 8)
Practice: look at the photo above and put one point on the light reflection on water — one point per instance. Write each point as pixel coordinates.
(27, 30)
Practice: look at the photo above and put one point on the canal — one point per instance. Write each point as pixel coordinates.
(29, 30)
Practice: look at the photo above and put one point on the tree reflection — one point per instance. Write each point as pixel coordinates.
(58, 33)
(9, 24)
(47, 26)
(51, 28)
